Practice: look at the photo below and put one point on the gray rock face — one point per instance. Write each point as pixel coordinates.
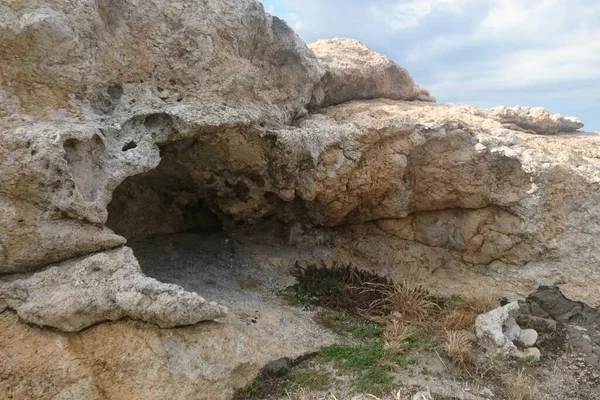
(492, 326)
(499, 329)
(355, 72)
(106, 286)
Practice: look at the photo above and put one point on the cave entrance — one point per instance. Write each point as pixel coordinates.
(165, 216)
(171, 219)
(162, 201)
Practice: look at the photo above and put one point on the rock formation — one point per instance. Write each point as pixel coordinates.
(109, 286)
(121, 120)
(353, 72)
(499, 329)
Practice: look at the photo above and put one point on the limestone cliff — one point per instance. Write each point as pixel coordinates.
(122, 120)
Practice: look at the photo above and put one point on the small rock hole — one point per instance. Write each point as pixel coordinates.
(156, 122)
(129, 145)
(70, 143)
(115, 91)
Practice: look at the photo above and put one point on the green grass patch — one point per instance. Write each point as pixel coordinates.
(295, 295)
(353, 357)
(310, 379)
(250, 391)
(375, 380)
(398, 359)
(344, 323)
(364, 360)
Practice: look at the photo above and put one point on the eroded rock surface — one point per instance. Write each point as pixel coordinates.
(124, 120)
(118, 360)
(353, 71)
(113, 360)
(499, 329)
(533, 119)
(105, 286)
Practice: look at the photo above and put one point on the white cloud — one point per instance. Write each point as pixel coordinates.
(294, 21)
(533, 52)
(409, 13)
(539, 41)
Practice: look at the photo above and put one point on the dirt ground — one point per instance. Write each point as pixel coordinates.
(247, 272)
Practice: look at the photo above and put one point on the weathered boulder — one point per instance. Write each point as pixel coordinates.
(104, 286)
(64, 58)
(533, 119)
(499, 330)
(494, 326)
(125, 359)
(354, 72)
(450, 198)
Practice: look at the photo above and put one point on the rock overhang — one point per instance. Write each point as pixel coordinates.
(363, 162)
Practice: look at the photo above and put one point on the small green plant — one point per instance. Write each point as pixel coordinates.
(455, 297)
(353, 357)
(531, 359)
(310, 379)
(425, 371)
(296, 296)
(375, 380)
(342, 323)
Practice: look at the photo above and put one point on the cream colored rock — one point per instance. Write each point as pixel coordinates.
(102, 287)
(70, 58)
(127, 359)
(473, 204)
(122, 120)
(88, 89)
(446, 194)
(528, 337)
(534, 119)
(355, 72)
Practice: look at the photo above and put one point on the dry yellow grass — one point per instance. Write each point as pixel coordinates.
(402, 299)
(395, 336)
(461, 314)
(390, 365)
(459, 349)
(523, 388)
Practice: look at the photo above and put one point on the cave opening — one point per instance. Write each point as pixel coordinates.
(176, 220)
(168, 221)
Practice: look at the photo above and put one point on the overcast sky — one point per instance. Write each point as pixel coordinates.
(483, 52)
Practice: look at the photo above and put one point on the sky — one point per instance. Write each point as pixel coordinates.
(482, 52)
